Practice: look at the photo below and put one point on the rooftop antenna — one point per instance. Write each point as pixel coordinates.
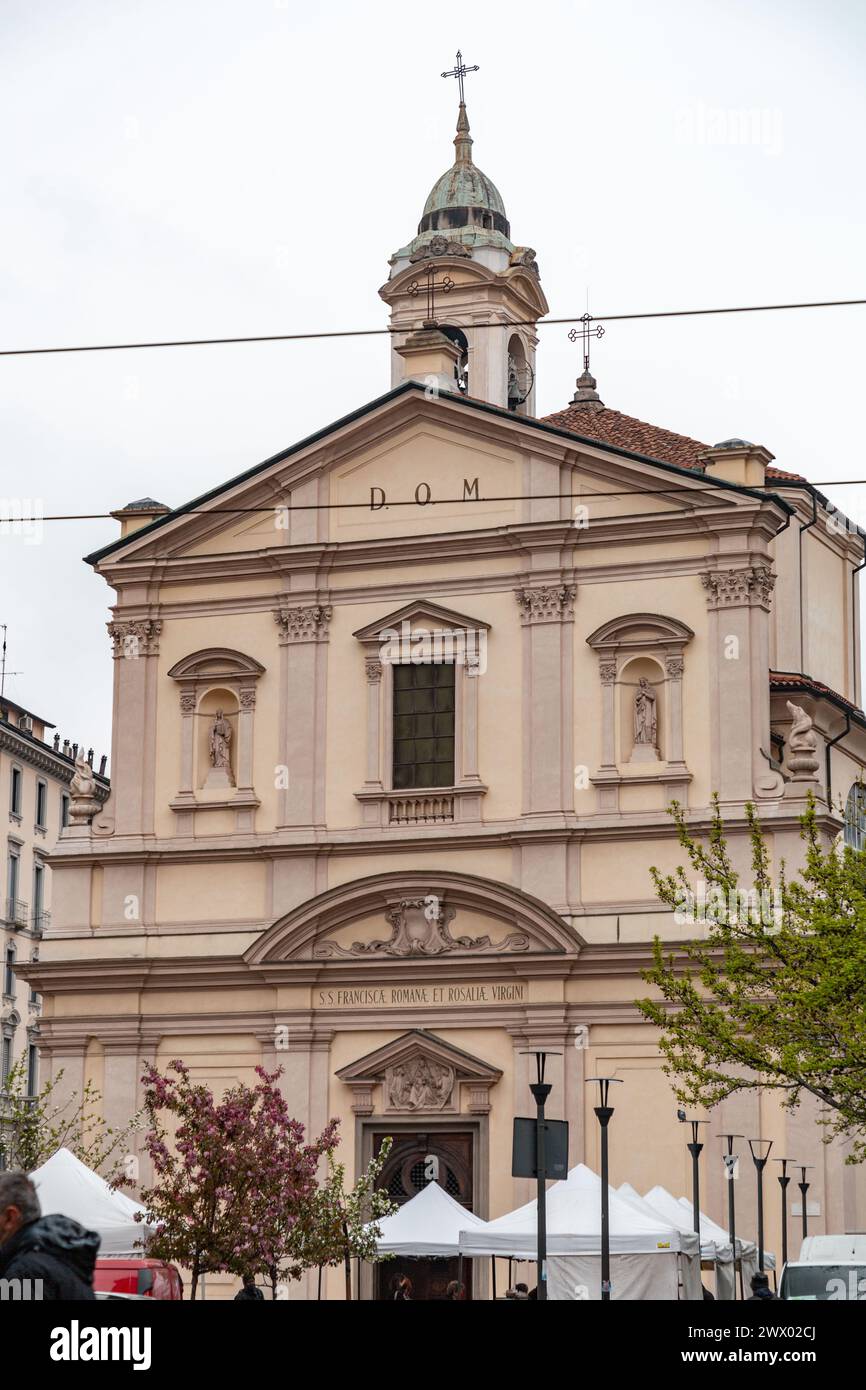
(3, 672)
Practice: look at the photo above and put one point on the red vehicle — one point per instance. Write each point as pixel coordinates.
(146, 1278)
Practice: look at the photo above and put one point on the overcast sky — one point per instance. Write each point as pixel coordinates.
(195, 168)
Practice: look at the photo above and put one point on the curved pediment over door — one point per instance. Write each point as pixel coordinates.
(413, 914)
(419, 1074)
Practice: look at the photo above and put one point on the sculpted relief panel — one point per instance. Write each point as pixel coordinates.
(421, 927)
(419, 1083)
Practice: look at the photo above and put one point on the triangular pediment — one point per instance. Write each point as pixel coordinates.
(409, 464)
(418, 1042)
(419, 1072)
(421, 613)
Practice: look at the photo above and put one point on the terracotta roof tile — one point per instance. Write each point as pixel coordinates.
(795, 680)
(596, 421)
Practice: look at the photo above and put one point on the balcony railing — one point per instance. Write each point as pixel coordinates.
(420, 809)
(17, 912)
(41, 922)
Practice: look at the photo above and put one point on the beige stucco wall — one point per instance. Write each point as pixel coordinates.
(220, 950)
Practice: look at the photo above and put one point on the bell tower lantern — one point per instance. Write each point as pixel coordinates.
(463, 275)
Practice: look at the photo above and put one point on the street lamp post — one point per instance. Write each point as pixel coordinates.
(730, 1161)
(783, 1183)
(694, 1149)
(604, 1113)
(540, 1091)
(760, 1151)
(804, 1188)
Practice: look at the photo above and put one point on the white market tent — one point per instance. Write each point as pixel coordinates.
(65, 1186)
(649, 1257)
(429, 1224)
(747, 1250)
(716, 1248)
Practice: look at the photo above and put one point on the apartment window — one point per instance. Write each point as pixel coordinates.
(41, 805)
(9, 972)
(5, 1058)
(15, 791)
(12, 878)
(32, 1070)
(64, 810)
(423, 725)
(38, 893)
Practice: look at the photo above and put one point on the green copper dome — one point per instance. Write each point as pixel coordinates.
(464, 196)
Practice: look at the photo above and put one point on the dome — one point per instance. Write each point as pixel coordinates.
(464, 186)
(464, 197)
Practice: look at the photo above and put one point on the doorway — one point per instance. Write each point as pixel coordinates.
(416, 1159)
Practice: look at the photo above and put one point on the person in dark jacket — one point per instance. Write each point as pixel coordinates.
(760, 1286)
(54, 1253)
(249, 1291)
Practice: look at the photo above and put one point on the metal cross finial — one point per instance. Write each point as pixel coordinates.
(585, 333)
(460, 72)
(446, 285)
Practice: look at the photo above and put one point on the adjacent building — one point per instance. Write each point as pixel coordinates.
(35, 773)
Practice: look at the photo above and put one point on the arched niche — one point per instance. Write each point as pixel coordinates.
(216, 679)
(631, 648)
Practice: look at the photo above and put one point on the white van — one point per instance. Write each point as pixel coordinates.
(829, 1267)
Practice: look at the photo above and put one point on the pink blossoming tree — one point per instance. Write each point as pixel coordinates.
(232, 1177)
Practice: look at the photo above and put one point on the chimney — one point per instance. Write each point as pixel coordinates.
(738, 461)
(135, 515)
(430, 359)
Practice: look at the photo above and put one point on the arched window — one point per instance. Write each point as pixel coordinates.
(855, 816)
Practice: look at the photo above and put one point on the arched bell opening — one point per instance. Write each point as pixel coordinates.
(521, 377)
(461, 367)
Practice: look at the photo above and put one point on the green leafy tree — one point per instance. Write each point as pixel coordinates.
(338, 1226)
(773, 995)
(33, 1127)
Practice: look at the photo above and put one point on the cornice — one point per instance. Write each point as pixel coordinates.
(751, 517)
(563, 829)
(43, 758)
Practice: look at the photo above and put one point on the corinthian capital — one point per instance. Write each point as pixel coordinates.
(305, 624)
(550, 603)
(135, 637)
(742, 588)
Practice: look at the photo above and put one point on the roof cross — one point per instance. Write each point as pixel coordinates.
(460, 72)
(585, 333)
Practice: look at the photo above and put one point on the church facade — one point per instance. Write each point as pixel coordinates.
(398, 717)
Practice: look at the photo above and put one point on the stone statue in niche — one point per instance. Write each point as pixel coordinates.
(219, 751)
(645, 724)
(419, 1084)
